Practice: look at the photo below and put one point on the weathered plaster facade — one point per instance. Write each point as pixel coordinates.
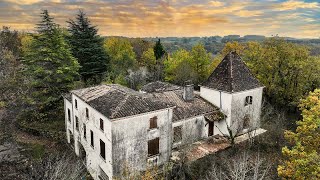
(113, 126)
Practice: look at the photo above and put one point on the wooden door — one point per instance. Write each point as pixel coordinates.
(210, 129)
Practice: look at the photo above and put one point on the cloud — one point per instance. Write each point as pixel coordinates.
(216, 3)
(172, 17)
(293, 4)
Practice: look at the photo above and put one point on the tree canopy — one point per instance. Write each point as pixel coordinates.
(49, 64)
(87, 47)
(302, 160)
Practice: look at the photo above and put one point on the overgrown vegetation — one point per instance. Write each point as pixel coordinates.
(36, 69)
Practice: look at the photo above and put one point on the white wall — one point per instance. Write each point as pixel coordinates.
(233, 106)
(193, 129)
(130, 140)
(213, 96)
(239, 110)
(94, 160)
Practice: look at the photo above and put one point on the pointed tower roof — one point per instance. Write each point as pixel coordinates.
(232, 75)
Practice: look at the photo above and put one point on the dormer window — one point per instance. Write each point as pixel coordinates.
(76, 104)
(153, 122)
(87, 113)
(248, 100)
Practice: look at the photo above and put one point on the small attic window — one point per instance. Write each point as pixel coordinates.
(248, 100)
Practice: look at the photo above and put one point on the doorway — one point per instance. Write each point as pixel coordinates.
(210, 128)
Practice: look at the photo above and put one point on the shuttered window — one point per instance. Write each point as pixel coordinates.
(153, 147)
(153, 123)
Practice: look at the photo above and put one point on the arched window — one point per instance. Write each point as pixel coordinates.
(248, 100)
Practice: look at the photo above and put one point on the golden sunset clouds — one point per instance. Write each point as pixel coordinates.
(140, 18)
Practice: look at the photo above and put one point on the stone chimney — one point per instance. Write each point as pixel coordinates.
(188, 91)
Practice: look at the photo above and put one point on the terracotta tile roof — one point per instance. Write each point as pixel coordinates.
(116, 101)
(232, 75)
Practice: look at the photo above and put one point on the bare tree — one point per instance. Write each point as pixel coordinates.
(58, 167)
(241, 122)
(242, 167)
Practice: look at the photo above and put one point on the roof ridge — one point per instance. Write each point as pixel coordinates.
(119, 106)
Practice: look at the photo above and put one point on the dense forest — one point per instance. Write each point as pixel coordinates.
(36, 69)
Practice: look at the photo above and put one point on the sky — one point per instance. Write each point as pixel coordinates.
(178, 18)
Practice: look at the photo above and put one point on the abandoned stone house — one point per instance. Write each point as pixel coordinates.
(111, 126)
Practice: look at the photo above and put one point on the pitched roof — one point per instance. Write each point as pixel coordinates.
(232, 75)
(116, 101)
(159, 86)
(183, 109)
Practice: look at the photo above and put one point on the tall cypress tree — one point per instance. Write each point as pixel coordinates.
(49, 64)
(160, 55)
(158, 50)
(87, 47)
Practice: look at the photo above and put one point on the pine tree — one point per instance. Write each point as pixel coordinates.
(87, 47)
(49, 64)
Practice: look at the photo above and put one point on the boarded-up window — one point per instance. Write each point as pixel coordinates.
(77, 123)
(102, 149)
(153, 147)
(91, 137)
(76, 104)
(69, 115)
(246, 121)
(87, 113)
(101, 124)
(153, 122)
(248, 100)
(177, 134)
(84, 131)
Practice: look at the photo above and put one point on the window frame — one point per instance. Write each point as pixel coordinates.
(91, 139)
(248, 100)
(69, 115)
(76, 103)
(84, 131)
(102, 149)
(153, 122)
(153, 147)
(77, 123)
(87, 113)
(101, 124)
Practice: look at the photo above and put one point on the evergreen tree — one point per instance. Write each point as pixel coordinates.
(87, 47)
(49, 64)
(158, 50)
(160, 55)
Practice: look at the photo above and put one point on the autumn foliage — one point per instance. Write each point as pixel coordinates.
(302, 160)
